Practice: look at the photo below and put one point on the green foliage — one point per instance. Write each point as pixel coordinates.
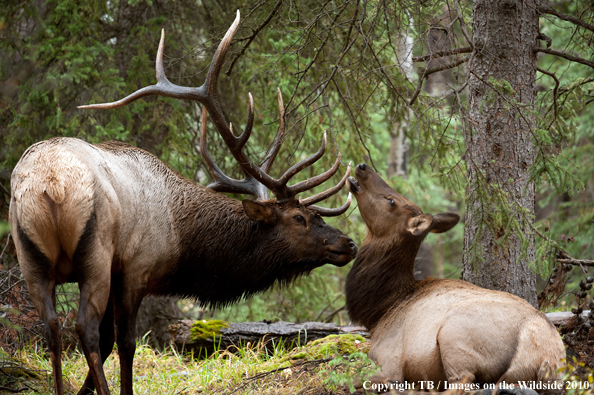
(4, 229)
(356, 367)
(564, 166)
(6, 322)
(577, 379)
(59, 60)
(329, 346)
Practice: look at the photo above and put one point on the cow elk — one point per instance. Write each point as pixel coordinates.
(122, 224)
(436, 329)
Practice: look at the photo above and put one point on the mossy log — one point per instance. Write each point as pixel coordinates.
(205, 336)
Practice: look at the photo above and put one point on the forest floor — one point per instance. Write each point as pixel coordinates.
(309, 370)
(253, 370)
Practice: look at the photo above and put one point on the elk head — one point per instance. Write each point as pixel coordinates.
(389, 215)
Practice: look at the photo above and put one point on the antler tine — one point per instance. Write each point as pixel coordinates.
(329, 192)
(303, 164)
(223, 183)
(278, 138)
(243, 138)
(163, 87)
(332, 212)
(206, 94)
(315, 181)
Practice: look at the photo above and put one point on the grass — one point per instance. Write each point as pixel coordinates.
(315, 369)
(305, 370)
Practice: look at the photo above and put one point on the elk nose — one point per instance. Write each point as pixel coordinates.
(362, 166)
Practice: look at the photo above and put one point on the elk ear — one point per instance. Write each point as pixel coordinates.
(444, 222)
(420, 224)
(259, 211)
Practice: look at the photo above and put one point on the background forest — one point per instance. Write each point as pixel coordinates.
(358, 69)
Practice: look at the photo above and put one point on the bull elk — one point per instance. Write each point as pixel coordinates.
(122, 224)
(436, 329)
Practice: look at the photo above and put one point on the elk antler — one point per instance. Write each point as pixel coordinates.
(257, 180)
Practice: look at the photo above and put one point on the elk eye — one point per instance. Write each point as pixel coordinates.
(391, 203)
(299, 219)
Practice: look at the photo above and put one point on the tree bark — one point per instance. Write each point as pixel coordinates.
(498, 238)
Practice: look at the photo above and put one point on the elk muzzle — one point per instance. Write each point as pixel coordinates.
(341, 250)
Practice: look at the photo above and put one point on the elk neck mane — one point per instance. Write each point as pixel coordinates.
(381, 278)
(251, 260)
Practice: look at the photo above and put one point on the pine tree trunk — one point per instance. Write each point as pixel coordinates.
(498, 240)
(155, 315)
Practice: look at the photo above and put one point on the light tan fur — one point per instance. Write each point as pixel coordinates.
(38, 191)
(59, 183)
(450, 330)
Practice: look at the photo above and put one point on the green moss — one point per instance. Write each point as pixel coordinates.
(331, 346)
(206, 329)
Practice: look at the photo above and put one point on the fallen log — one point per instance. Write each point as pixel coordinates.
(204, 335)
(562, 317)
(201, 336)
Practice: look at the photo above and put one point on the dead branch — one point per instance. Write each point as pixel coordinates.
(440, 54)
(264, 374)
(564, 55)
(253, 36)
(274, 371)
(463, 24)
(544, 37)
(424, 73)
(5, 247)
(547, 9)
(331, 315)
(576, 262)
(562, 317)
(553, 76)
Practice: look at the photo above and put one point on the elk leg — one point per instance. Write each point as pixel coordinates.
(38, 271)
(106, 342)
(126, 311)
(47, 310)
(94, 297)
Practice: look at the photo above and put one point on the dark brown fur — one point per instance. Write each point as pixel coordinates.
(372, 288)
